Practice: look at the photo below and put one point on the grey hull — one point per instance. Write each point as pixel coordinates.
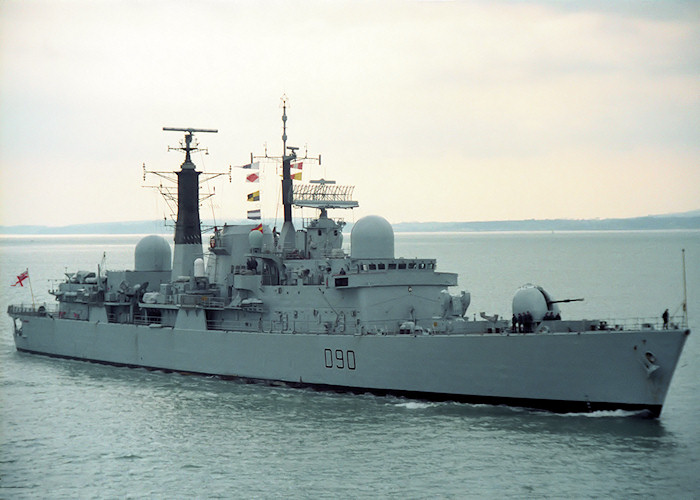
(581, 371)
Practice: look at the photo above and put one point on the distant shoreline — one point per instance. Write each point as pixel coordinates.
(691, 220)
(650, 223)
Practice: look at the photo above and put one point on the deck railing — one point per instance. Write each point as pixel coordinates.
(31, 310)
(648, 323)
(202, 300)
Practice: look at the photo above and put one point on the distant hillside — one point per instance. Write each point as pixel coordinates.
(689, 220)
(137, 227)
(632, 224)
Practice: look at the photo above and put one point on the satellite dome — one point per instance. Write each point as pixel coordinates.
(372, 237)
(199, 268)
(255, 239)
(152, 253)
(535, 300)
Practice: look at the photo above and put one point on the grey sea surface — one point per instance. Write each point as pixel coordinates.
(71, 429)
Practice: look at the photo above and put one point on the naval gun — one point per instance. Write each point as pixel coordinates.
(562, 301)
(536, 302)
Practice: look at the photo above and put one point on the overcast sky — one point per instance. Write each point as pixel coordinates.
(479, 110)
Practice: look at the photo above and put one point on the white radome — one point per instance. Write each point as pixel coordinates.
(372, 237)
(152, 253)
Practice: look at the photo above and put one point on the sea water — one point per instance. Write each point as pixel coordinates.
(71, 429)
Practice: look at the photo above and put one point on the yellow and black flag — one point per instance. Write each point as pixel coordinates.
(254, 196)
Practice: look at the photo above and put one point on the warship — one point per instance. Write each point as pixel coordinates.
(296, 308)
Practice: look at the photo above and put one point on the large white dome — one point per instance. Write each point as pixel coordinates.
(372, 237)
(152, 253)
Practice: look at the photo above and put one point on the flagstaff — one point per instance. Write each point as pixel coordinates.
(31, 290)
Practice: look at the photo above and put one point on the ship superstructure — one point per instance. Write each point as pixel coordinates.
(295, 307)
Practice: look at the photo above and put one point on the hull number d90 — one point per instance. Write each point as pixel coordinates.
(339, 359)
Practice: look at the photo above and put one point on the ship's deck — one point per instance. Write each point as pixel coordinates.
(468, 326)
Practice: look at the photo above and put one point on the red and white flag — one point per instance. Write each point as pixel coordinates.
(21, 278)
(297, 165)
(252, 177)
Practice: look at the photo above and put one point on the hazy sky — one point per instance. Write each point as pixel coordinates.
(479, 110)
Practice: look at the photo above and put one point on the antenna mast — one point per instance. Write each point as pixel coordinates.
(287, 240)
(188, 145)
(685, 294)
(284, 125)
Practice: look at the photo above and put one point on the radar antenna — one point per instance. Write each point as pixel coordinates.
(189, 144)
